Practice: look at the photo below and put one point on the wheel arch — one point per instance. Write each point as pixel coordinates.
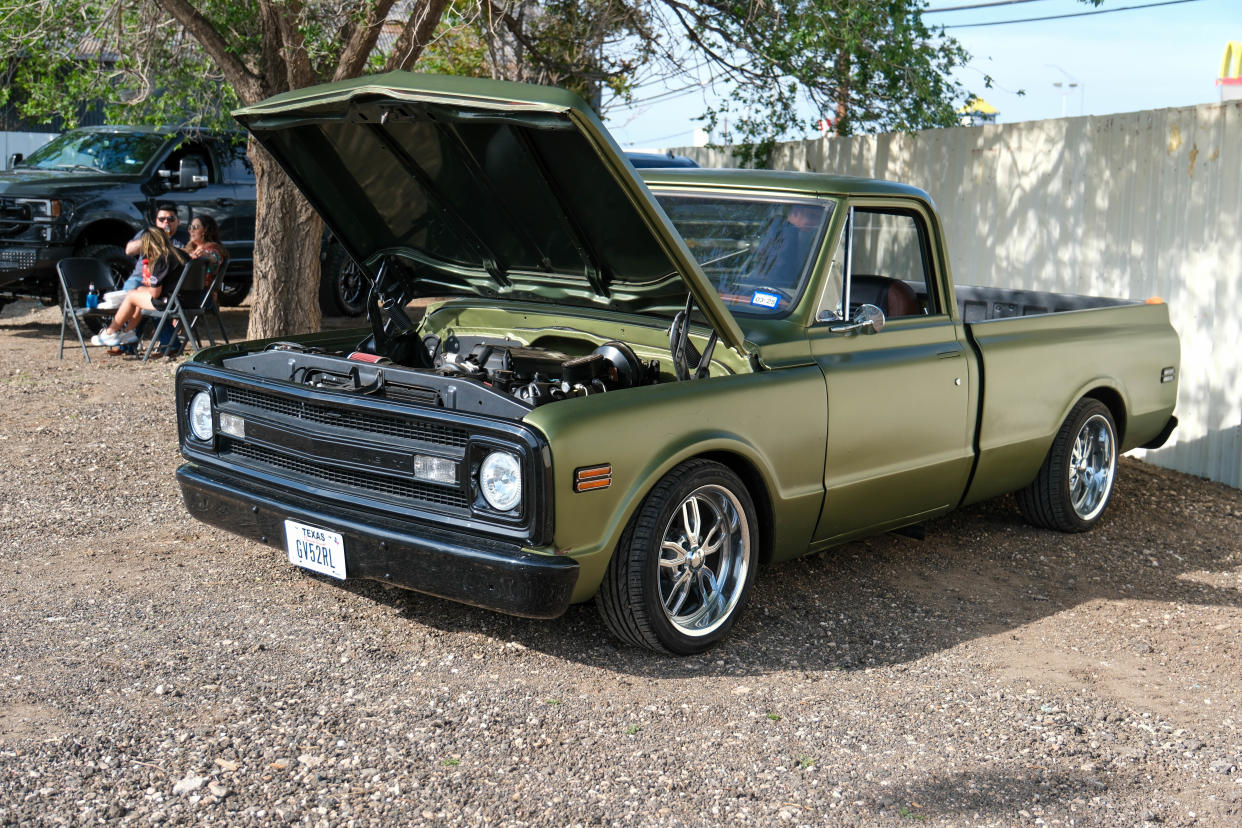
(1114, 402)
(104, 231)
(756, 486)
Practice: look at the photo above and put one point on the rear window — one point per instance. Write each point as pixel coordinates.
(756, 252)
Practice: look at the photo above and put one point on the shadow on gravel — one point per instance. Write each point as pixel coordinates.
(890, 600)
(989, 794)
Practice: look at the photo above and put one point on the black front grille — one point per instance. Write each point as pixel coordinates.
(363, 421)
(17, 259)
(392, 489)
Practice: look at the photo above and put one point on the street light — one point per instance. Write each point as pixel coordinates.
(1068, 86)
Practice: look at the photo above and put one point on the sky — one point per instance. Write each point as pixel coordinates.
(1123, 61)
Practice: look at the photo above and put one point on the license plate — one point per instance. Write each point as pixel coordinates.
(315, 549)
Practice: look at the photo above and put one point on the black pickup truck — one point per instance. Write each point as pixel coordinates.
(88, 191)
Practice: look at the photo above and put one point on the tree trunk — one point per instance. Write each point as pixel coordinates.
(288, 238)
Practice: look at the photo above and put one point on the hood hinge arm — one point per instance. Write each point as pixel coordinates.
(682, 349)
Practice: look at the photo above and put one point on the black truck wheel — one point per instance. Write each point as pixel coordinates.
(120, 264)
(234, 290)
(343, 289)
(1076, 480)
(685, 564)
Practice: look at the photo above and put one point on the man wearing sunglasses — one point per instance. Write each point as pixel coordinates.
(166, 219)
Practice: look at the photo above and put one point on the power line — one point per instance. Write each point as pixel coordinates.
(980, 6)
(1075, 14)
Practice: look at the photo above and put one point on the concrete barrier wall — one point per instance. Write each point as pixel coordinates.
(1133, 205)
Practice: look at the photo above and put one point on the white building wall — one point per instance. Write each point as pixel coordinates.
(1133, 205)
(23, 142)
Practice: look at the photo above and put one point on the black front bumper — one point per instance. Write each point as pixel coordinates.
(485, 572)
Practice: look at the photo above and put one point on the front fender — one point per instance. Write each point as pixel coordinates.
(774, 422)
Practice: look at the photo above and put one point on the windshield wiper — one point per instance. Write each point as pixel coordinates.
(78, 167)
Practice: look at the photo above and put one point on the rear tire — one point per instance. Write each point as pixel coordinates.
(234, 290)
(685, 564)
(343, 289)
(1076, 479)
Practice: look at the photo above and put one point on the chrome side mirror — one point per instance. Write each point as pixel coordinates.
(867, 319)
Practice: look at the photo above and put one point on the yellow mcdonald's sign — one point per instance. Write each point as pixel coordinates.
(1231, 62)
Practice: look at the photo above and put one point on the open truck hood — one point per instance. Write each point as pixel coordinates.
(502, 190)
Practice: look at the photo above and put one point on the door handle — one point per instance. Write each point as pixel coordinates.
(948, 354)
(224, 202)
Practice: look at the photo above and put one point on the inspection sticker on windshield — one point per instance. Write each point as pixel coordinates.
(765, 299)
(315, 549)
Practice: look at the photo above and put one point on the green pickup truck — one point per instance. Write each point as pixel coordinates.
(639, 389)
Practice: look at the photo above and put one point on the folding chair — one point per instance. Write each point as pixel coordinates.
(209, 306)
(170, 306)
(76, 275)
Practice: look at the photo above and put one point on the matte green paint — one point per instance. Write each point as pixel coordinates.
(844, 434)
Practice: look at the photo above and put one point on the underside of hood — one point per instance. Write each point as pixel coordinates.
(484, 187)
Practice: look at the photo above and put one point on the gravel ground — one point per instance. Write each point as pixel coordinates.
(153, 670)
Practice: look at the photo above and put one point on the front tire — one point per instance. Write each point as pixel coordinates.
(120, 264)
(1076, 480)
(685, 565)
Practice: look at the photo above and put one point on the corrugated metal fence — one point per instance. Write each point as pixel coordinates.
(1134, 205)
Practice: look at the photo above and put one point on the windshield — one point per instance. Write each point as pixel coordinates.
(111, 152)
(756, 252)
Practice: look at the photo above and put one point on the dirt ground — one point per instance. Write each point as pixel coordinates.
(154, 670)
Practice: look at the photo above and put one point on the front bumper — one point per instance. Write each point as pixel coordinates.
(30, 269)
(471, 569)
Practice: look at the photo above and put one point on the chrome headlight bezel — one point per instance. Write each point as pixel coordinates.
(200, 417)
(500, 480)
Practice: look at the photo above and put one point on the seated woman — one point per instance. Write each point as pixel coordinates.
(161, 261)
(205, 244)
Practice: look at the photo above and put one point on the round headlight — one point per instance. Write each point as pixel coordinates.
(500, 480)
(200, 417)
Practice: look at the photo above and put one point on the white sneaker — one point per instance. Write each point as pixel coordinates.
(95, 340)
(126, 338)
(105, 337)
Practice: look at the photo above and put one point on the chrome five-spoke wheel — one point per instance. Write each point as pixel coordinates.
(680, 576)
(704, 560)
(1092, 466)
(1076, 480)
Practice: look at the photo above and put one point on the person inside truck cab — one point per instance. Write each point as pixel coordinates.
(166, 219)
(160, 262)
(783, 249)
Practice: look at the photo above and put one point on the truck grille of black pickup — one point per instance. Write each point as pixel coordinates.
(375, 485)
(370, 422)
(17, 259)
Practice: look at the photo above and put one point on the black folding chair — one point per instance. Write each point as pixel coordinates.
(209, 306)
(169, 305)
(76, 275)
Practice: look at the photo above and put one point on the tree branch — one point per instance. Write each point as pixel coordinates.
(360, 41)
(249, 86)
(416, 34)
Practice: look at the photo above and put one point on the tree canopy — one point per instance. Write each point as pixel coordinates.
(872, 64)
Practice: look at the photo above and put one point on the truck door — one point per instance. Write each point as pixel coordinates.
(899, 400)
